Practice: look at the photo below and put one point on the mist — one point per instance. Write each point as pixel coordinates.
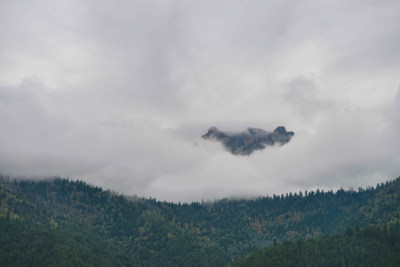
(119, 94)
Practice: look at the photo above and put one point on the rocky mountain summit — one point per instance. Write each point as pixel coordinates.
(244, 143)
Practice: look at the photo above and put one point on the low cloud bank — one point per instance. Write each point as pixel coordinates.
(119, 95)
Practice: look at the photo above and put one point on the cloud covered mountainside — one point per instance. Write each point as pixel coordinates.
(66, 223)
(245, 143)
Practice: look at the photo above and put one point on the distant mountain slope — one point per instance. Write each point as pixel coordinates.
(149, 233)
(245, 143)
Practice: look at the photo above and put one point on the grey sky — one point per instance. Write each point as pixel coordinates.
(118, 93)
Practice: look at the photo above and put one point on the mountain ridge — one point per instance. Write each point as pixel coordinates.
(157, 233)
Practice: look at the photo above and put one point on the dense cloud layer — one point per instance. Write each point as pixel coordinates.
(118, 94)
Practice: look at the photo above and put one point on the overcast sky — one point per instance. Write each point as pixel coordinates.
(118, 93)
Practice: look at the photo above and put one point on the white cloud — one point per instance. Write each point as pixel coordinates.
(119, 94)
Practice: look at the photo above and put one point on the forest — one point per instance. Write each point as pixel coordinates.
(370, 246)
(62, 222)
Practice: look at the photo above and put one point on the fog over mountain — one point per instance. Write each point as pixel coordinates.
(245, 143)
(119, 93)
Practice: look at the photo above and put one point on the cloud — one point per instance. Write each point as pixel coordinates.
(120, 94)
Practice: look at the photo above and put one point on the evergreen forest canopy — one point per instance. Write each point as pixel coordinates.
(60, 222)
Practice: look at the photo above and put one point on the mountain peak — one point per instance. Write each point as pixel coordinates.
(280, 129)
(246, 142)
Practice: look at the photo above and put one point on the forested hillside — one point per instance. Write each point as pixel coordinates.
(64, 222)
(76, 211)
(242, 226)
(372, 246)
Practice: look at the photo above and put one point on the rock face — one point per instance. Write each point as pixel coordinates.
(244, 143)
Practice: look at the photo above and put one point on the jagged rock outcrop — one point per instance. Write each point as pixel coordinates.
(244, 143)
